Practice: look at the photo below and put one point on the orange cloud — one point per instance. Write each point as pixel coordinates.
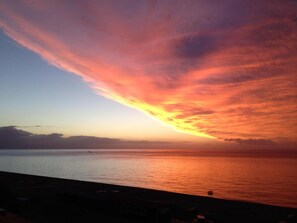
(224, 69)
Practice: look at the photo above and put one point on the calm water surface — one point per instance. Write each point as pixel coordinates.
(259, 179)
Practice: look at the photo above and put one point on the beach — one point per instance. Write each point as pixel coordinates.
(29, 198)
(266, 180)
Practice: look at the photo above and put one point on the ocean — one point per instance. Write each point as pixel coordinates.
(262, 179)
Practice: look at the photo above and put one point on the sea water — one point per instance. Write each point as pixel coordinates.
(262, 179)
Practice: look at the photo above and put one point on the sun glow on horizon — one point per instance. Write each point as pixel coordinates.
(203, 69)
(161, 116)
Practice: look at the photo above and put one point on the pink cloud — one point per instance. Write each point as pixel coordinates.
(224, 69)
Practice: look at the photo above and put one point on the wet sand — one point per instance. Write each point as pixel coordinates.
(28, 198)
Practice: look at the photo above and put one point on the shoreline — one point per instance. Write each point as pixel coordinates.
(213, 196)
(27, 196)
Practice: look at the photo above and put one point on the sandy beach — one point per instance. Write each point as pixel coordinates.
(28, 198)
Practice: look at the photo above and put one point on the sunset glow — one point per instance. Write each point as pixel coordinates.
(204, 69)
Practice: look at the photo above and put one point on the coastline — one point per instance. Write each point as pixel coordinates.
(46, 199)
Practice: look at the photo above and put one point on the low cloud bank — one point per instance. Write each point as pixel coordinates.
(13, 138)
(252, 141)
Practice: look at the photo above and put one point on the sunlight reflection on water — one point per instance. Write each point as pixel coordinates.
(259, 179)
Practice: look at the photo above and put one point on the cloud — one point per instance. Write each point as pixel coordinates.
(263, 142)
(13, 138)
(222, 68)
(30, 126)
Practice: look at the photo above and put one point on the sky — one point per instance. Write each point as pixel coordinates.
(40, 98)
(203, 71)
